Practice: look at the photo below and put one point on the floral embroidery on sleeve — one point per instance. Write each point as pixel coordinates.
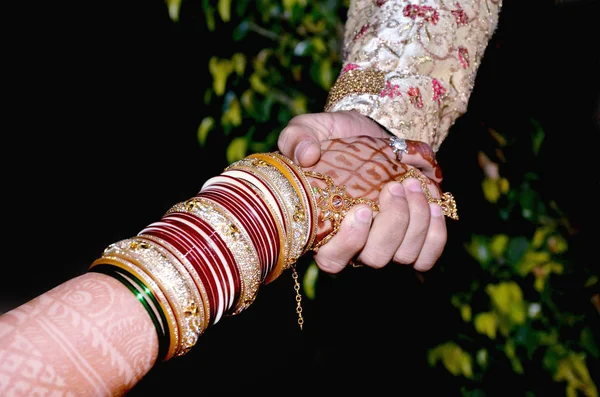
(424, 55)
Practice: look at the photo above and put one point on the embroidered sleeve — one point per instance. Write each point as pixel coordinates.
(410, 64)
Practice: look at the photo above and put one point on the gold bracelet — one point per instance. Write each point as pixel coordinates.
(357, 81)
(446, 202)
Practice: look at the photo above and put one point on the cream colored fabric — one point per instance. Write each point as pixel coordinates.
(410, 65)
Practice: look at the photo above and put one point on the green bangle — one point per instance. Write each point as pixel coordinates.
(145, 296)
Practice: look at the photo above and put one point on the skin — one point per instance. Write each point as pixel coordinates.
(407, 230)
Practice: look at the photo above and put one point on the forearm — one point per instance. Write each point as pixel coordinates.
(411, 66)
(89, 336)
(203, 260)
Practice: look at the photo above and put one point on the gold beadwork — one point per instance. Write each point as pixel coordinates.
(334, 203)
(446, 202)
(357, 81)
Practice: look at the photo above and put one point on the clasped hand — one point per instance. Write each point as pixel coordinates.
(407, 229)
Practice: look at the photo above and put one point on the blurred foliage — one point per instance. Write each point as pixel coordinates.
(282, 59)
(514, 312)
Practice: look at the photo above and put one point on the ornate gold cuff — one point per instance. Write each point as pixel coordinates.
(334, 203)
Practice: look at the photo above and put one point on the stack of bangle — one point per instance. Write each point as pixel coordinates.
(207, 256)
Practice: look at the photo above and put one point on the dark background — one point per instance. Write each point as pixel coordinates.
(102, 102)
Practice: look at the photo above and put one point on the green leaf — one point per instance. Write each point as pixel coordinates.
(257, 84)
(224, 8)
(498, 245)
(232, 111)
(482, 357)
(289, 4)
(204, 128)
(239, 63)
(173, 6)
(517, 247)
(453, 357)
(486, 324)
(573, 370)
(241, 31)
(538, 136)
(237, 149)
(209, 15)
(491, 190)
(220, 69)
(507, 300)
(309, 282)
(510, 351)
(327, 75)
(588, 342)
(478, 248)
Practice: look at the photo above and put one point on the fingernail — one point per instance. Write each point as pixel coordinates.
(397, 189)
(364, 215)
(413, 185)
(436, 210)
(300, 150)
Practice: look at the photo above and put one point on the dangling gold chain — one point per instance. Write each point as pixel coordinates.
(298, 297)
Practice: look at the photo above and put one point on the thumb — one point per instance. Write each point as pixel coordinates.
(298, 142)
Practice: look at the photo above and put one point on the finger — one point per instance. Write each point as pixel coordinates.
(349, 240)
(300, 139)
(389, 227)
(420, 214)
(435, 241)
(300, 142)
(421, 156)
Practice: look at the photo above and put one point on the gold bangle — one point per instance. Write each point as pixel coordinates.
(301, 219)
(334, 203)
(260, 187)
(285, 221)
(289, 197)
(172, 279)
(446, 202)
(307, 195)
(236, 239)
(205, 307)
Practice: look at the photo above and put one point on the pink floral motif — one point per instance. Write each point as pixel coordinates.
(428, 13)
(410, 11)
(390, 90)
(349, 67)
(438, 90)
(363, 30)
(380, 2)
(461, 16)
(415, 97)
(463, 57)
